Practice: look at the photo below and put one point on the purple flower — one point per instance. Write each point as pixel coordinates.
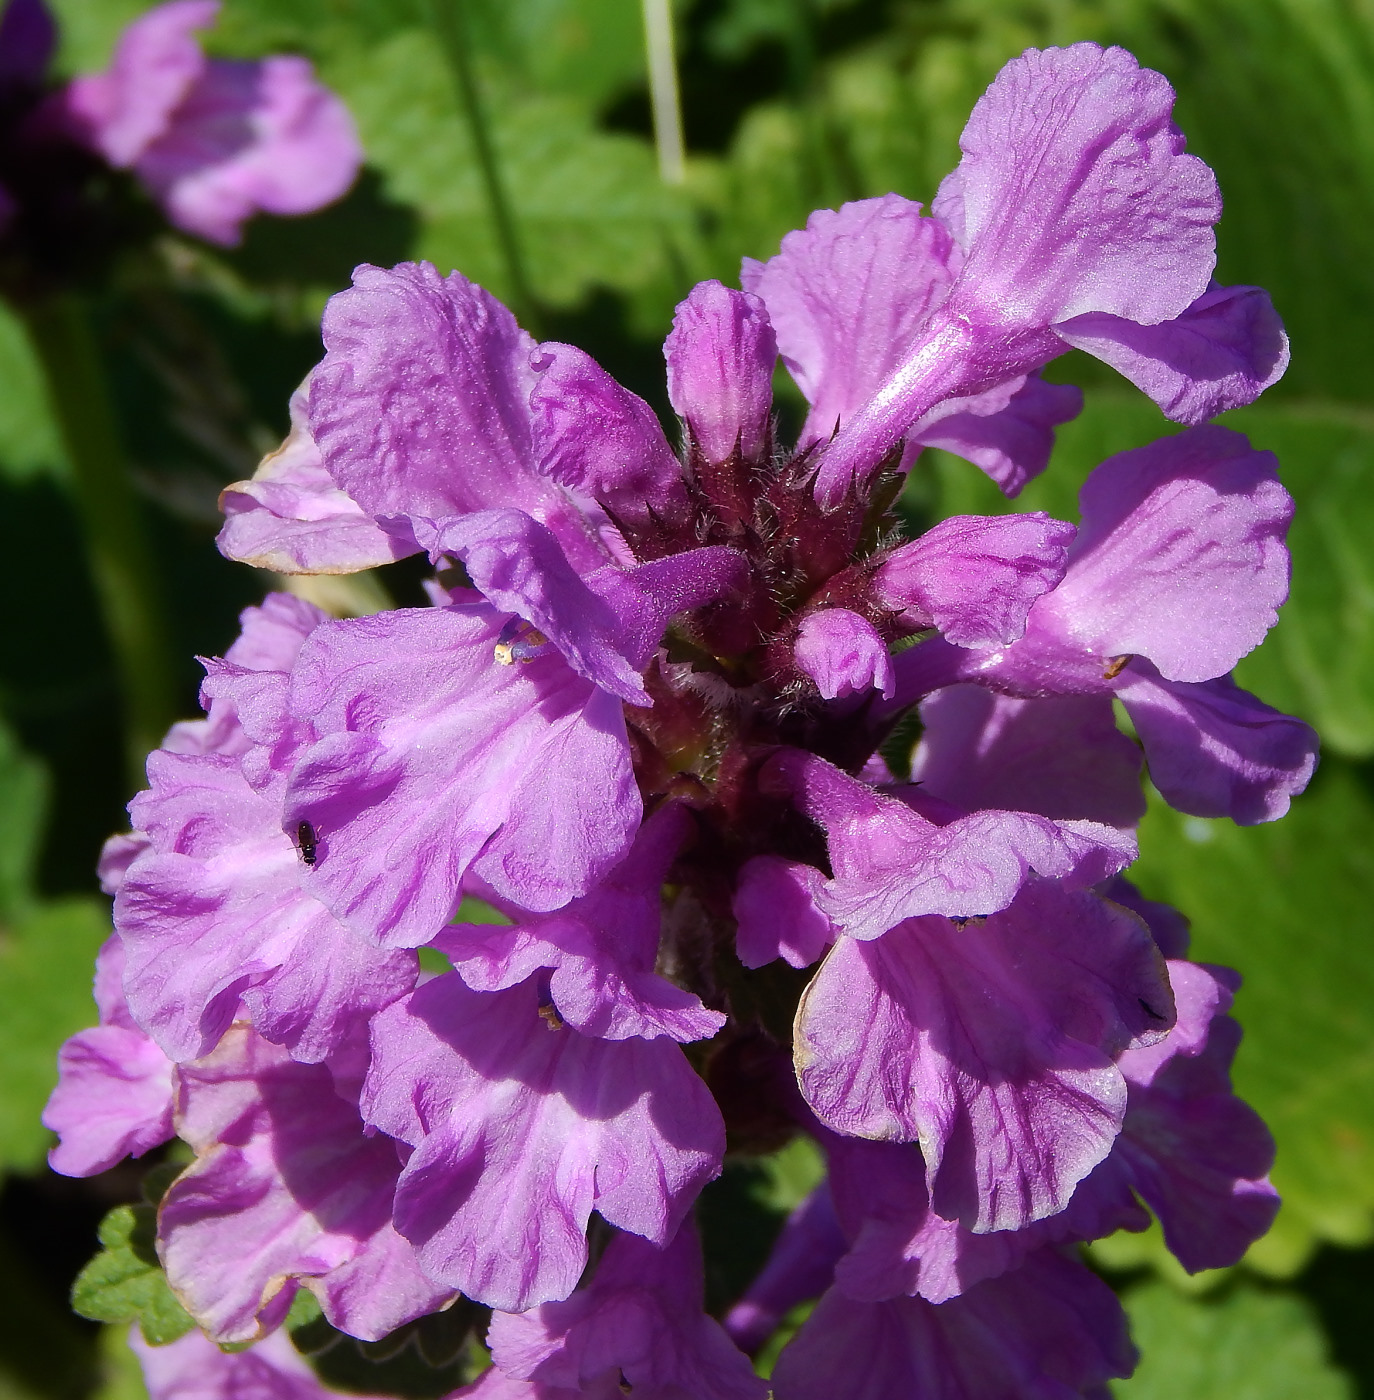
(215, 141)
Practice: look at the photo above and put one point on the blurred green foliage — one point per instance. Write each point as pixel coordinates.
(789, 105)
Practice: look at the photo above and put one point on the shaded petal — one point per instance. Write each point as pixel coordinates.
(1223, 352)
(847, 295)
(1214, 750)
(720, 356)
(286, 1187)
(1062, 757)
(1052, 1330)
(432, 758)
(975, 577)
(843, 654)
(291, 518)
(522, 1130)
(1074, 195)
(639, 1322)
(194, 1368)
(777, 913)
(991, 1044)
(1180, 557)
(1012, 443)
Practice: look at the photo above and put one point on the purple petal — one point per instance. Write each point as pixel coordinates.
(601, 949)
(250, 138)
(1167, 926)
(891, 863)
(992, 1044)
(286, 1186)
(431, 758)
(800, 1267)
(521, 1130)
(1195, 1153)
(638, 1324)
(1074, 195)
(842, 654)
(421, 409)
(847, 296)
(720, 356)
(126, 108)
(219, 910)
(194, 1368)
(594, 436)
(975, 577)
(1013, 442)
(1223, 352)
(1180, 557)
(291, 518)
(1214, 750)
(1051, 1330)
(1062, 757)
(778, 917)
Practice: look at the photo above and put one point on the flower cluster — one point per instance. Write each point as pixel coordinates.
(643, 721)
(213, 141)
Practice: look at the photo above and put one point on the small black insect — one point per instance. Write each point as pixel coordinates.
(308, 842)
(1150, 1011)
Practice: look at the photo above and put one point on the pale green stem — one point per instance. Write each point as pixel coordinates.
(451, 25)
(663, 91)
(121, 562)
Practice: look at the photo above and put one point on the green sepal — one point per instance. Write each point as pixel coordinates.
(125, 1283)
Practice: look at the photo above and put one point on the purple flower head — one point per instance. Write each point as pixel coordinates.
(651, 719)
(214, 141)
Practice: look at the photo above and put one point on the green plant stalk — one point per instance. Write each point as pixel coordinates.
(122, 565)
(663, 91)
(451, 25)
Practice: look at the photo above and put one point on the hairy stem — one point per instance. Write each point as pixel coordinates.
(122, 566)
(451, 24)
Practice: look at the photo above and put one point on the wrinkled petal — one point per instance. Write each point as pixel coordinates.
(1012, 444)
(431, 758)
(847, 295)
(522, 1129)
(843, 654)
(1052, 1330)
(593, 435)
(891, 863)
(291, 518)
(219, 911)
(601, 949)
(639, 1322)
(1074, 194)
(286, 1187)
(992, 1044)
(1214, 750)
(975, 577)
(720, 356)
(775, 906)
(1062, 757)
(1180, 557)
(1223, 352)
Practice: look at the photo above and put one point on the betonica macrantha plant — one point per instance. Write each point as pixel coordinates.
(644, 719)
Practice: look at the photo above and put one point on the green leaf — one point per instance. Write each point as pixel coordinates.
(125, 1283)
(1288, 905)
(1248, 1343)
(28, 437)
